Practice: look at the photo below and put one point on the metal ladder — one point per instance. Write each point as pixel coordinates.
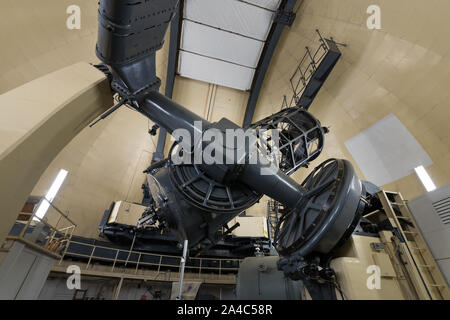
(272, 218)
(312, 72)
(428, 280)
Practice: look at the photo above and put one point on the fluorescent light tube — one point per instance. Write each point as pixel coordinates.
(425, 178)
(45, 204)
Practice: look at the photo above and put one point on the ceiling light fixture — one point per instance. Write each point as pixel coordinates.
(50, 196)
(425, 178)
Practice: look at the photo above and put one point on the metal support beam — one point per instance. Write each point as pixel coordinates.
(118, 289)
(175, 25)
(285, 17)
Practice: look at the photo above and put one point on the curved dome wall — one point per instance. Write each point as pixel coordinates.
(403, 69)
(105, 163)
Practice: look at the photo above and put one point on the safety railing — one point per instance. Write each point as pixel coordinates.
(130, 261)
(38, 233)
(305, 71)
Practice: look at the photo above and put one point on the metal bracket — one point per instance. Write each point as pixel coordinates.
(109, 112)
(135, 96)
(230, 230)
(104, 68)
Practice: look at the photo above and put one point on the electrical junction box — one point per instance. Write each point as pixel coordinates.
(250, 227)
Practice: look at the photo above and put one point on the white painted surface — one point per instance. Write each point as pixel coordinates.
(228, 37)
(231, 15)
(268, 4)
(215, 71)
(387, 151)
(223, 45)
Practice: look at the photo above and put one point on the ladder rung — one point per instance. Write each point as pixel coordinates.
(402, 217)
(398, 204)
(410, 232)
(436, 285)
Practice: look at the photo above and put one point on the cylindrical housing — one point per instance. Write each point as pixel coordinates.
(273, 183)
(268, 180)
(170, 115)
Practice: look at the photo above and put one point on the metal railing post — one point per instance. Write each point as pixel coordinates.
(65, 250)
(159, 264)
(90, 257)
(131, 250)
(27, 225)
(118, 289)
(137, 263)
(182, 266)
(115, 260)
(313, 63)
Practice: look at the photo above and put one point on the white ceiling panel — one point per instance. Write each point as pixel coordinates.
(223, 45)
(268, 4)
(231, 15)
(215, 71)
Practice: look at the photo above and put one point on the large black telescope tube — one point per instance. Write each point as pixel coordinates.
(170, 115)
(260, 177)
(129, 35)
(275, 184)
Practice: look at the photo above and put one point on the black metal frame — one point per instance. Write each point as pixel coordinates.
(298, 129)
(308, 69)
(174, 45)
(285, 17)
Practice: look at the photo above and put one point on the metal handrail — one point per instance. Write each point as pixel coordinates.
(57, 240)
(306, 74)
(141, 255)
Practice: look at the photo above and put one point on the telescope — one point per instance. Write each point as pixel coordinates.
(197, 197)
